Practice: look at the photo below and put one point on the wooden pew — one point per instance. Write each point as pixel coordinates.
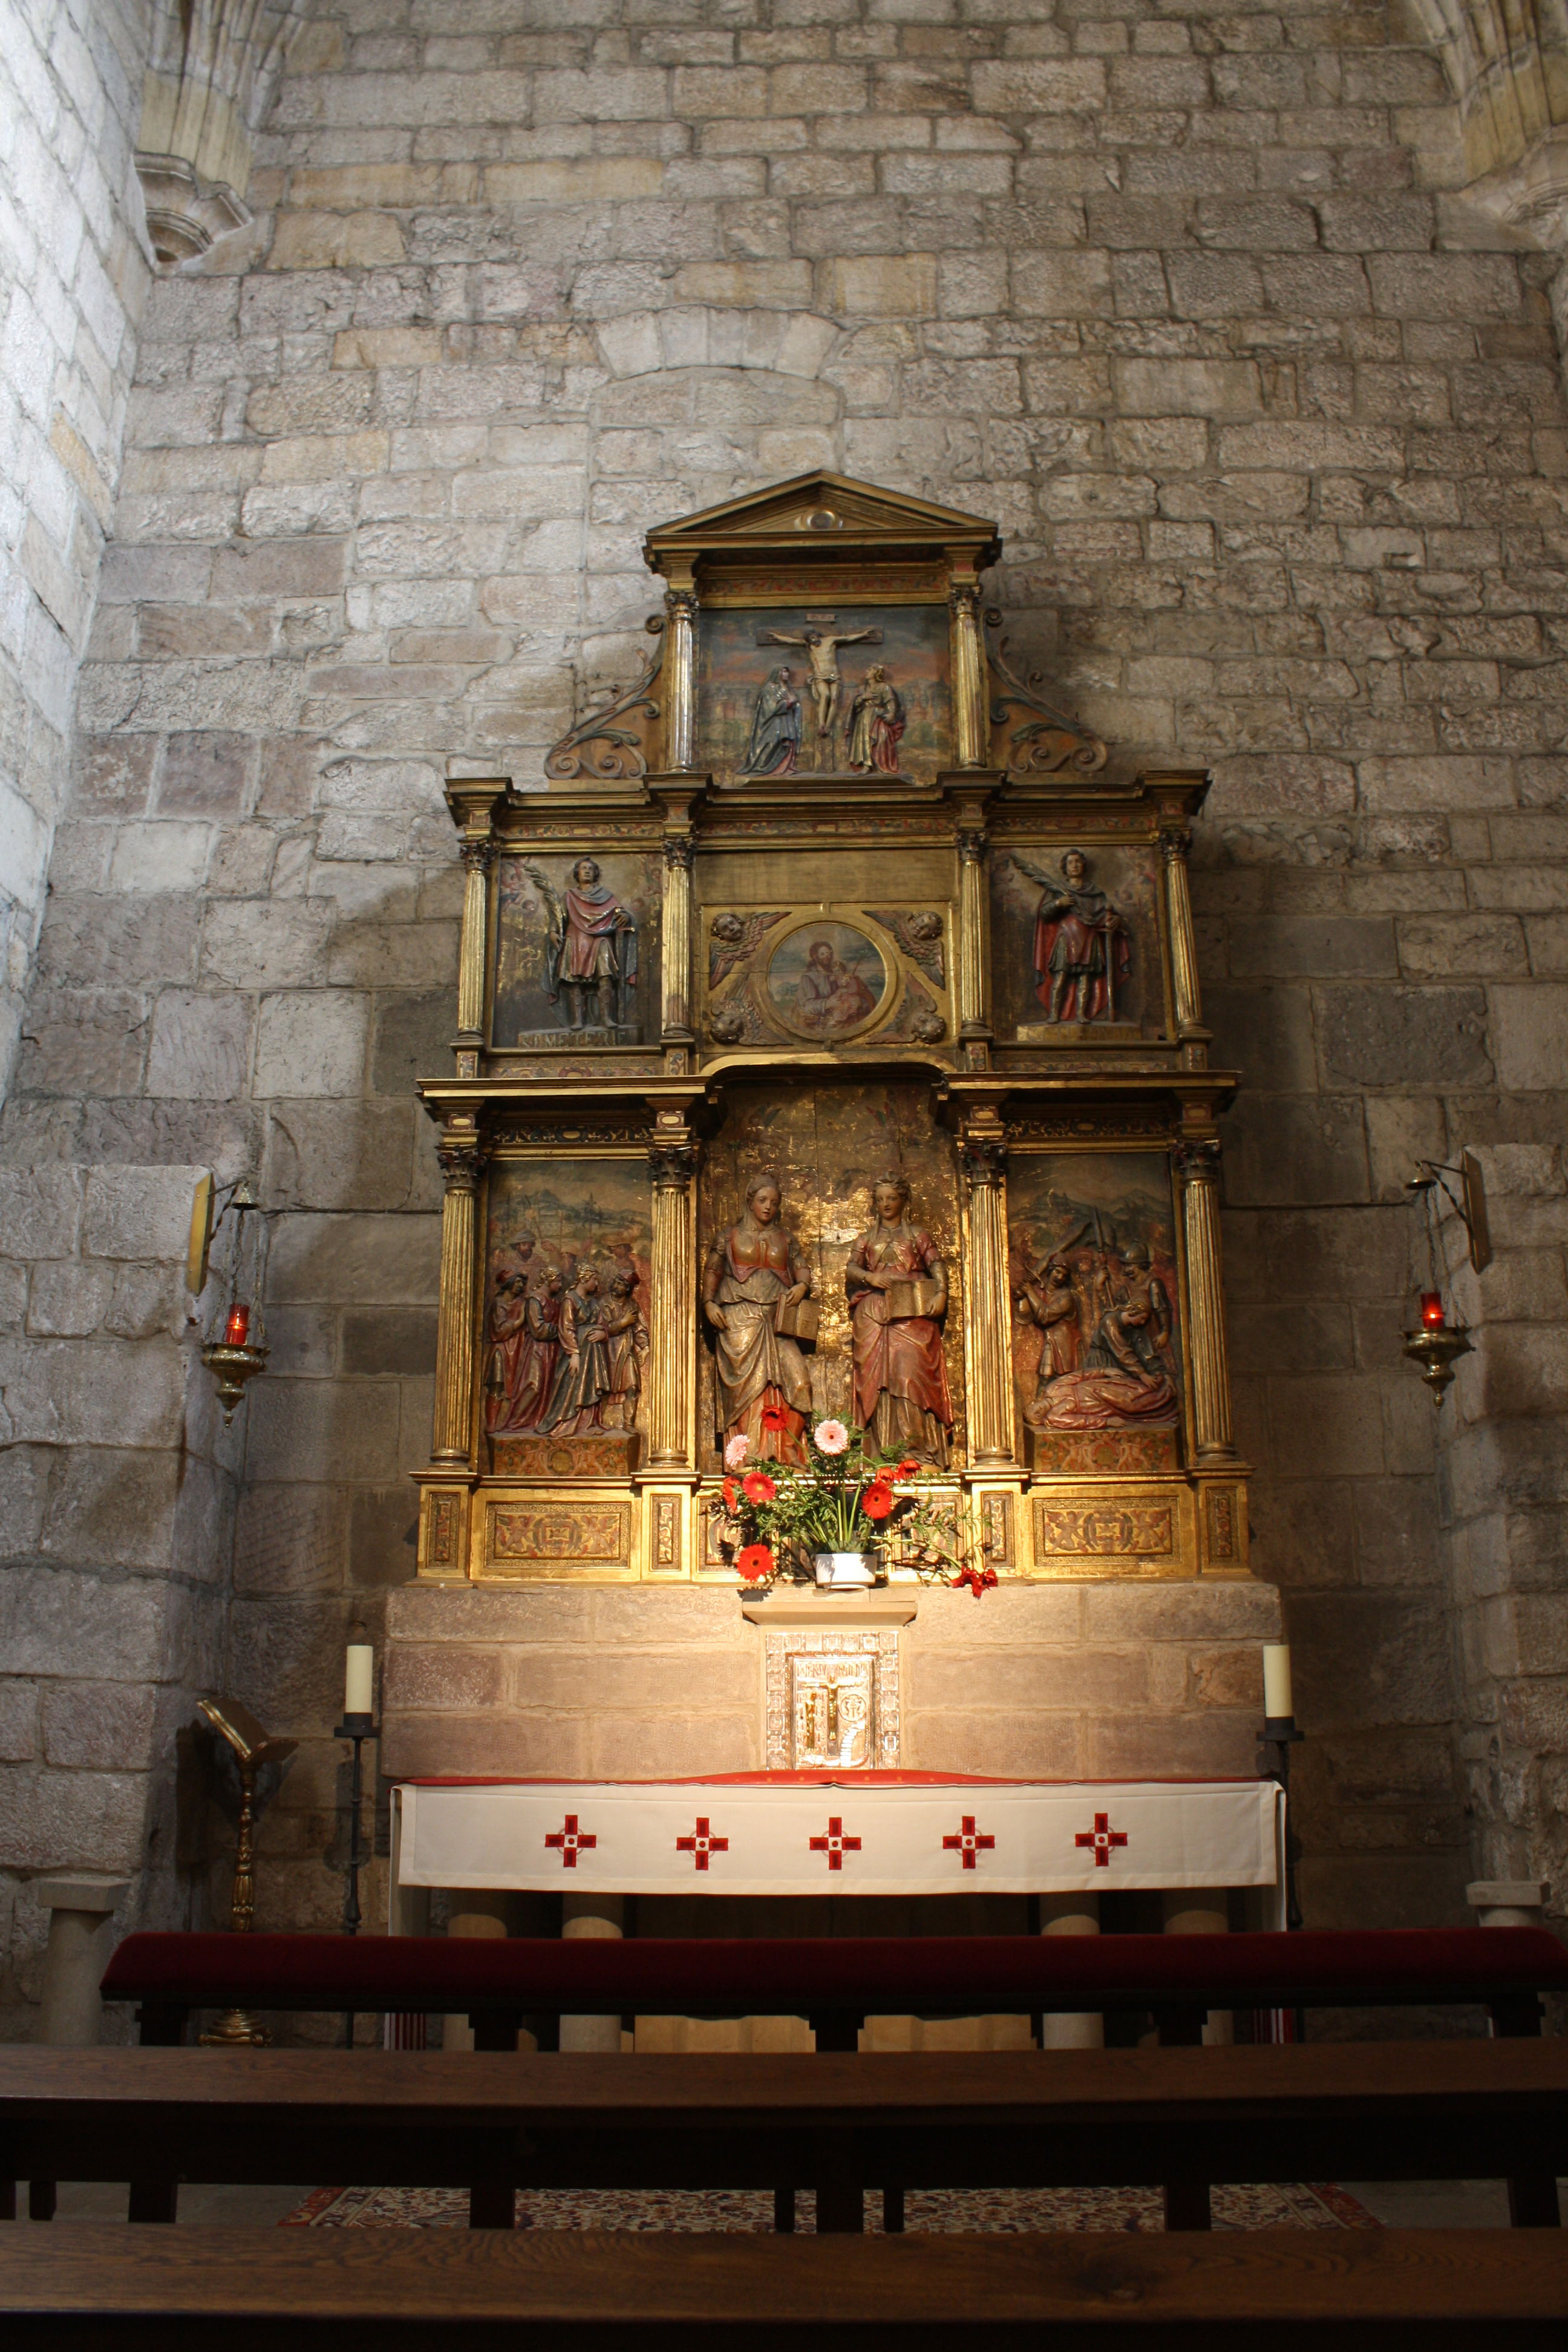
(493, 2122)
(838, 1981)
(428, 2290)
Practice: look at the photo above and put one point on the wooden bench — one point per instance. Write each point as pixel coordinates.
(428, 2290)
(1175, 2118)
(836, 1981)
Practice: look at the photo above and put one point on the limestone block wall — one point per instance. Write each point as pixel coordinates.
(1504, 1488)
(1274, 426)
(117, 1491)
(1067, 1681)
(73, 274)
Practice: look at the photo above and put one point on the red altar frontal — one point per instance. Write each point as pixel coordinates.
(872, 1832)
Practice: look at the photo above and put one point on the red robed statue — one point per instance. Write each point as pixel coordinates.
(1082, 953)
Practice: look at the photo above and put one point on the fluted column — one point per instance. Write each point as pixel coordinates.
(462, 1156)
(672, 1162)
(676, 938)
(679, 686)
(478, 857)
(1198, 1166)
(1173, 844)
(973, 1009)
(968, 677)
(982, 1158)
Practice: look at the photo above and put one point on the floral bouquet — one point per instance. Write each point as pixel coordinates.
(845, 1500)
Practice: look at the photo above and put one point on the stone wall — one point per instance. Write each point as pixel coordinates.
(73, 274)
(1275, 431)
(116, 1487)
(1503, 1489)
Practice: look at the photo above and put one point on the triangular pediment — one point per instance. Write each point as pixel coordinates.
(824, 507)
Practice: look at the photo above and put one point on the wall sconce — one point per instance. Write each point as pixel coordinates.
(1435, 1343)
(236, 1350)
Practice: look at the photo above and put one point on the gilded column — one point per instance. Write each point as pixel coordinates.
(679, 687)
(478, 857)
(1198, 1167)
(677, 936)
(1173, 843)
(462, 1156)
(672, 1162)
(968, 677)
(973, 1011)
(983, 1156)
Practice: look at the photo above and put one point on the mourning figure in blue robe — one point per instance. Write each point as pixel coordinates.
(774, 744)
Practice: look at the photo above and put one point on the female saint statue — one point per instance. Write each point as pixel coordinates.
(775, 741)
(756, 1270)
(902, 1398)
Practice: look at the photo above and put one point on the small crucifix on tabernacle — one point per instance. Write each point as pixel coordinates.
(822, 638)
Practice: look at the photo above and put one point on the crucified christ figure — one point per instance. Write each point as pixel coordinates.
(822, 653)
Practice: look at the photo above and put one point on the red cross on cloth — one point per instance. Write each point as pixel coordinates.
(702, 1844)
(1101, 1837)
(570, 1840)
(968, 1842)
(836, 1845)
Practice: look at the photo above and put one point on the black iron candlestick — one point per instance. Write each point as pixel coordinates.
(356, 1728)
(1279, 1735)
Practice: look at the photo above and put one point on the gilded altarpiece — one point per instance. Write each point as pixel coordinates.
(828, 1042)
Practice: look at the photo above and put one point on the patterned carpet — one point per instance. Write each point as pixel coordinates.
(1291, 2205)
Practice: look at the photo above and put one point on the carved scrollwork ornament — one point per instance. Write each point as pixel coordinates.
(622, 758)
(673, 1166)
(1045, 741)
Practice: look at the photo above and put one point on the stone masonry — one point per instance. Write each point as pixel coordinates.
(73, 277)
(117, 1495)
(1272, 419)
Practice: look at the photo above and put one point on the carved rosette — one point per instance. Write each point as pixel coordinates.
(1197, 1167)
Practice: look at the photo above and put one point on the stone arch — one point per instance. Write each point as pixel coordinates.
(698, 335)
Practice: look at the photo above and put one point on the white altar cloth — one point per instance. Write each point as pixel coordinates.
(882, 1833)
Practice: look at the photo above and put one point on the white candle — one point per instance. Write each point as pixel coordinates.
(359, 1679)
(1277, 1695)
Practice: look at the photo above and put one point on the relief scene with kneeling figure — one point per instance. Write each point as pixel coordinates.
(1096, 1342)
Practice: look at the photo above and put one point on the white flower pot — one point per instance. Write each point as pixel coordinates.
(845, 1570)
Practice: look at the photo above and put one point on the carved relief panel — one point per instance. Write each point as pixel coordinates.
(828, 975)
(1076, 943)
(577, 950)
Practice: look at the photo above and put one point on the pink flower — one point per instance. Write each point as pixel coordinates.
(736, 1451)
(830, 1437)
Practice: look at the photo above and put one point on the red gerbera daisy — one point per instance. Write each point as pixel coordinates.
(904, 1470)
(753, 1563)
(774, 1416)
(877, 1500)
(731, 1493)
(759, 1488)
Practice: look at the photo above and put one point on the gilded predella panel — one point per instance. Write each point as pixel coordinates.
(846, 1194)
(861, 690)
(568, 1258)
(577, 950)
(1074, 944)
(1097, 1336)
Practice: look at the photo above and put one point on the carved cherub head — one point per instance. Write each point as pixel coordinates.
(728, 928)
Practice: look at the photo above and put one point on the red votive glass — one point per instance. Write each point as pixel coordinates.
(237, 1330)
(1432, 1309)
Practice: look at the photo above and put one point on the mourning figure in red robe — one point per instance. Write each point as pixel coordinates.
(897, 1283)
(525, 1348)
(1082, 953)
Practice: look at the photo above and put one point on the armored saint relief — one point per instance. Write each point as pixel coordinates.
(756, 1279)
(897, 1295)
(1082, 953)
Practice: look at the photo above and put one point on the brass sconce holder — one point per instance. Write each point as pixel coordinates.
(238, 1353)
